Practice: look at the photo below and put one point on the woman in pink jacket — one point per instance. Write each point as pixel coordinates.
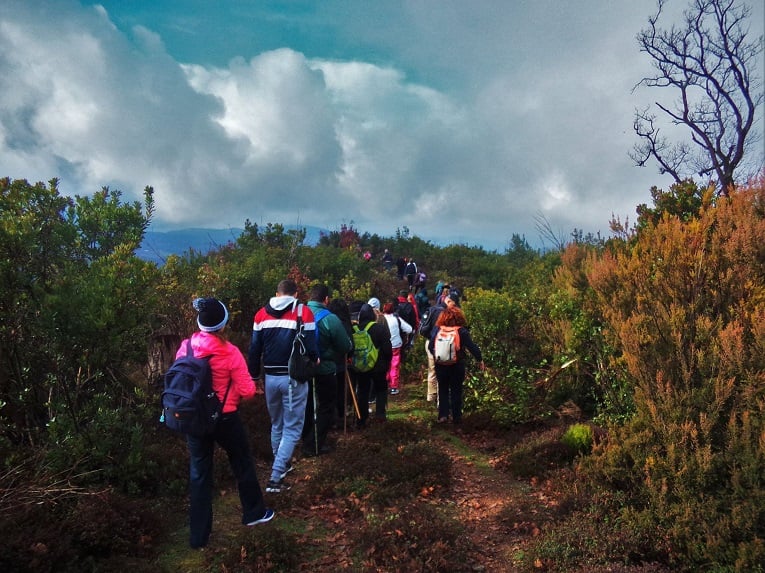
(228, 368)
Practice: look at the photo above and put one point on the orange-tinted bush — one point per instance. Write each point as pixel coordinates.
(685, 304)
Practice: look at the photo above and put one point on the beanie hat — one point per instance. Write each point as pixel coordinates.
(374, 303)
(213, 314)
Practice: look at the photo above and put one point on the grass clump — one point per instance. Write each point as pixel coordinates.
(578, 437)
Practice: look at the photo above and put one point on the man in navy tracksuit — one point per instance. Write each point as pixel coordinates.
(273, 331)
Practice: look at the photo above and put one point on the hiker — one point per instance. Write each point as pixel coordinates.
(413, 301)
(438, 289)
(376, 377)
(442, 296)
(422, 303)
(400, 267)
(341, 310)
(419, 281)
(229, 373)
(387, 260)
(410, 272)
(451, 377)
(427, 325)
(273, 330)
(399, 332)
(380, 319)
(334, 344)
(405, 307)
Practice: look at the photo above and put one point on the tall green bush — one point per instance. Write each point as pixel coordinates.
(76, 303)
(498, 325)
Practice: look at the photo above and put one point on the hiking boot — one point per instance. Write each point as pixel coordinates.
(276, 486)
(290, 467)
(267, 516)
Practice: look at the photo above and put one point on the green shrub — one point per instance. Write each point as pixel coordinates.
(578, 437)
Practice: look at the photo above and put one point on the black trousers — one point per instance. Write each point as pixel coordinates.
(231, 435)
(324, 388)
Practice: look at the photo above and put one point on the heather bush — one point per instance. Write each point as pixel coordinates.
(685, 304)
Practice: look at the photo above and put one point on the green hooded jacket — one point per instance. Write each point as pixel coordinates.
(334, 342)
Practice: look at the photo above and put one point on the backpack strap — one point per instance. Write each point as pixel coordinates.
(317, 318)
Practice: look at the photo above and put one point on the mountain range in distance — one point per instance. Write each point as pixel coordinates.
(158, 245)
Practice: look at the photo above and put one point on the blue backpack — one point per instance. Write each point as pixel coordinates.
(189, 403)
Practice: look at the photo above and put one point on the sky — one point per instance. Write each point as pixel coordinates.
(463, 121)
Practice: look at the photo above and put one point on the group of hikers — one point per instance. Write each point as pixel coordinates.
(357, 349)
(406, 268)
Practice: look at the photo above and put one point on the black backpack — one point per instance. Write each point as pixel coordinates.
(189, 403)
(429, 320)
(406, 312)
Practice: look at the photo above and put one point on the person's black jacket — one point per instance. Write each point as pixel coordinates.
(380, 338)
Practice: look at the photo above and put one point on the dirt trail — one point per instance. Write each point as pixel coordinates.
(486, 499)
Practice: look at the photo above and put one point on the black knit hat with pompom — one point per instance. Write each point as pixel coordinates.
(213, 314)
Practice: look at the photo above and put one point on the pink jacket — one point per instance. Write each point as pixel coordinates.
(227, 363)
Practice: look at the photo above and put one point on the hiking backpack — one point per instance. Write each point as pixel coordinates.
(301, 366)
(406, 312)
(365, 352)
(189, 403)
(447, 345)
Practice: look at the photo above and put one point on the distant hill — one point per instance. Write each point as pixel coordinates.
(158, 245)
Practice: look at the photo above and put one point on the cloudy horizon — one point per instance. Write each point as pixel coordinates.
(464, 122)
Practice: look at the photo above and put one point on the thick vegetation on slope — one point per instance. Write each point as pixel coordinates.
(653, 340)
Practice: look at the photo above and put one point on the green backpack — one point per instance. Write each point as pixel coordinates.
(364, 351)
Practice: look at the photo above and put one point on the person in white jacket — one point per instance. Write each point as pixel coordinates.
(398, 331)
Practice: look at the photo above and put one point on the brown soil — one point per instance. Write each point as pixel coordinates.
(486, 497)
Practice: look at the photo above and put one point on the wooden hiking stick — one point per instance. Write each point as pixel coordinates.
(353, 394)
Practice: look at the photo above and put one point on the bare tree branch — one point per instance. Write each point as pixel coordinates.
(712, 65)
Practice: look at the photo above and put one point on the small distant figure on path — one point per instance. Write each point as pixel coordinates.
(419, 281)
(387, 260)
(400, 266)
(410, 272)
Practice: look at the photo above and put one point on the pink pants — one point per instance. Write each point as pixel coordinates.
(392, 375)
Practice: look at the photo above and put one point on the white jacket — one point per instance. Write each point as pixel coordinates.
(396, 340)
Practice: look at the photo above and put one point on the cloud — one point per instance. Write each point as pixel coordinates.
(462, 124)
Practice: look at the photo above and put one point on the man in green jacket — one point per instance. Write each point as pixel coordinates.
(334, 345)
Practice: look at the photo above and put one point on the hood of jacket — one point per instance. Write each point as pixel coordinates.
(278, 305)
(366, 314)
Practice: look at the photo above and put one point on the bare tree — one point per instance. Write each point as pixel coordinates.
(713, 66)
(547, 233)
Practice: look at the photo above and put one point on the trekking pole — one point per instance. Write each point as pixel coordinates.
(345, 407)
(353, 395)
(315, 427)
